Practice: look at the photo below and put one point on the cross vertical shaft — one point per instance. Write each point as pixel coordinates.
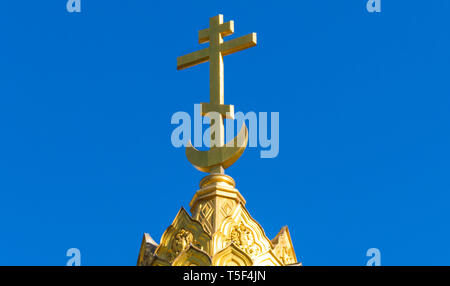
(216, 78)
(216, 61)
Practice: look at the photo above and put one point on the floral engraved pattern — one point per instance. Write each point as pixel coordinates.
(182, 241)
(283, 250)
(244, 239)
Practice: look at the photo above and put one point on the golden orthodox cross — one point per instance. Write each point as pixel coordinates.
(214, 54)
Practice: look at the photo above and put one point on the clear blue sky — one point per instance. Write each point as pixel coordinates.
(86, 99)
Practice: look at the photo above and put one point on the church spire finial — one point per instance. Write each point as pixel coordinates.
(220, 230)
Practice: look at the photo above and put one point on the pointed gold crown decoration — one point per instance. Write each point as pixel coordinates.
(220, 231)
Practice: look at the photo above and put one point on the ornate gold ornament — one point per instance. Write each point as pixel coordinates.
(182, 240)
(283, 246)
(244, 239)
(220, 231)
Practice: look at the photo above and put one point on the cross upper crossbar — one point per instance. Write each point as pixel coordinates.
(224, 48)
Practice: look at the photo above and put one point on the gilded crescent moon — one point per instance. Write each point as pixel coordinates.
(224, 156)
